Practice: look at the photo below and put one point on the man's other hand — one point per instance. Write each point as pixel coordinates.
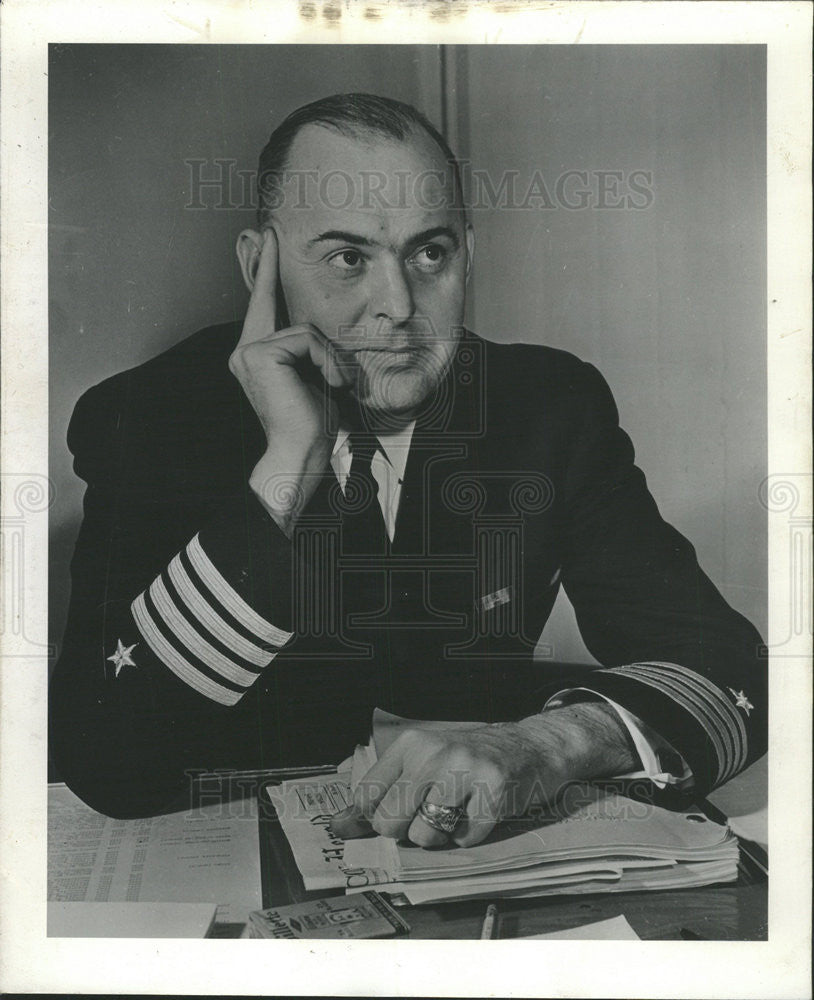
(491, 772)
(284, 374)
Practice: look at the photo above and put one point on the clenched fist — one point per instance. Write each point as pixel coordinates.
(490, 772)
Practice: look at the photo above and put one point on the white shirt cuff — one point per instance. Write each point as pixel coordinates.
(661, 762)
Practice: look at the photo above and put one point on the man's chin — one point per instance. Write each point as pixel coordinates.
(395, 396)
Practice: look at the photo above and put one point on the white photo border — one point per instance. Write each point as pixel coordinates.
(32, 962)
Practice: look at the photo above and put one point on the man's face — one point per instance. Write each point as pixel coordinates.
(374, 252)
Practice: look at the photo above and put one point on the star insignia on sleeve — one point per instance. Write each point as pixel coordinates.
(741, 701)
(122, 658)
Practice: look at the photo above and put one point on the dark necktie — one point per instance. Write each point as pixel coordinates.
(363, 527)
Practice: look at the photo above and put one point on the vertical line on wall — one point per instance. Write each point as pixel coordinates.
(454, 92)
(430, 83)
(442, 65)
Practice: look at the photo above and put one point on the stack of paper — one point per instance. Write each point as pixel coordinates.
(601, 842)
(594, 840)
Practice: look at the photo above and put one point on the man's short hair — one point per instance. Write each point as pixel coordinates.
(353, 115)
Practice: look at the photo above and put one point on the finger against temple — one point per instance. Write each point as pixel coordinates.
(261, 316)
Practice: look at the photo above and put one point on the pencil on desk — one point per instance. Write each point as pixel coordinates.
(489, 929)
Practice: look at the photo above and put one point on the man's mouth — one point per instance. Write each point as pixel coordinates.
(388, 349)
(385, 352)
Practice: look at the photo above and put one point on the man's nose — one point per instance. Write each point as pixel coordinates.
(391, 297)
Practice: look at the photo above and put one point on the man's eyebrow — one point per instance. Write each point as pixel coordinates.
(343, 236)
(431, 234)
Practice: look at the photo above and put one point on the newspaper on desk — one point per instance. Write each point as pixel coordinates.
(205, 854)
(305, 807)
(596, 840)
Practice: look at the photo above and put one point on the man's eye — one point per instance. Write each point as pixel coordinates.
(346, 260)
(431, 257)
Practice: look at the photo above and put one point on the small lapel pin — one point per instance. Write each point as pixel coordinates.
(493, 600)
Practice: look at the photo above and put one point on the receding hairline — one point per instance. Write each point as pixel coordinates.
(369, 135)
(402, 124)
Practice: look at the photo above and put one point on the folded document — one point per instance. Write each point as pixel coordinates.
(594, 840)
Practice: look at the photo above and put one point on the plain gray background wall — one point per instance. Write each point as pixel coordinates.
(668, 301)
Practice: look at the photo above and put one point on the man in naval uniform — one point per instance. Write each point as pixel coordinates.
(349, 501)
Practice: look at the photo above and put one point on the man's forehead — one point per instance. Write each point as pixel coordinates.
(384, 227)
(334, 181)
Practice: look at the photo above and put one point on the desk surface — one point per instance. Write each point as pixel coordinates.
(722, 913)
(735, 911)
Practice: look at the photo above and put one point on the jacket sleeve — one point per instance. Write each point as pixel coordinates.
(170, 630)
(674, 653)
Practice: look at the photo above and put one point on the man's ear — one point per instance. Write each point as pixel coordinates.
(470, 248)
(248, 247)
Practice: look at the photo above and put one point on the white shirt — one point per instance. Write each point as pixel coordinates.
(387, 467)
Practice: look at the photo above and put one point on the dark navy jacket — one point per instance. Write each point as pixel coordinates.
(250, 650)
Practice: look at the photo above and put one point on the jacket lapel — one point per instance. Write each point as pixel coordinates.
(442, 447)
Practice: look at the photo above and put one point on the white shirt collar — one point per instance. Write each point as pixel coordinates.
(395, 446)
